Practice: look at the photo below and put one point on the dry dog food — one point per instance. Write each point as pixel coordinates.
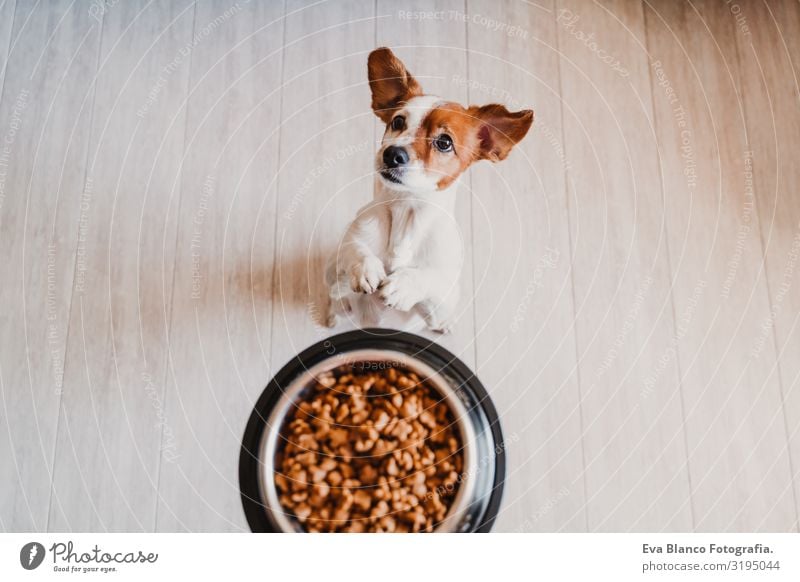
(369, 450)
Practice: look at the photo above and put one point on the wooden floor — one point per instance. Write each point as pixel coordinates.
(173, 173)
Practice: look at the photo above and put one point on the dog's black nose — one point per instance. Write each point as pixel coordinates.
(395, 156)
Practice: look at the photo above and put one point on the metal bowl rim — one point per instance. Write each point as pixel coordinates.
(270, 435)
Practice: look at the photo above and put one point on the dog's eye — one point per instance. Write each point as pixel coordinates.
(398, 123)
(443, 142)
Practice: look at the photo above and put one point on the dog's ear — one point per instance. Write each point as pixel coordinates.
(499, 130)
(391, 84)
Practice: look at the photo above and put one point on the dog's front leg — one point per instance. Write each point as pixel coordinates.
(439, 311)
(409, 282)
(405, 287)
(366, 273)
(364, 268)
(434, 292)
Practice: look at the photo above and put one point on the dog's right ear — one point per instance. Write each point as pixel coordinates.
(390, 82)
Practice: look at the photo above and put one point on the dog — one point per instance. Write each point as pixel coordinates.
(403, 250)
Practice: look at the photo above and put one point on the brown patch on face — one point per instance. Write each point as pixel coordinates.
(478, 133)
(454, 120)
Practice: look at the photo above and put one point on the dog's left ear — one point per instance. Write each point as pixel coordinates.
(499, 130)
(390, 82)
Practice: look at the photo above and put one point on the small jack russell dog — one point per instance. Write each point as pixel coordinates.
(403, 250)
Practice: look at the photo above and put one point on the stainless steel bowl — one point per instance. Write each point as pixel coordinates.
(481, 482)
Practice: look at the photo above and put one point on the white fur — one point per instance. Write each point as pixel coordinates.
(403, 251)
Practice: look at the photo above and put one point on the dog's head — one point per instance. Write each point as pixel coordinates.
(428, 141)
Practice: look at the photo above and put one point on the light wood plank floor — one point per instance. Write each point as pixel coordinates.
(173, 174)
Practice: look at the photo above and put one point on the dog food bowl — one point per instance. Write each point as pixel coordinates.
(477, 500)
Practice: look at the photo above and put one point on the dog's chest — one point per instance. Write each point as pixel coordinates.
(412, 234)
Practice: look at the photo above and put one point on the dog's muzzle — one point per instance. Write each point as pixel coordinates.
(395, 159)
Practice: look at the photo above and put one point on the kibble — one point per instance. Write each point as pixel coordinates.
(369, 450)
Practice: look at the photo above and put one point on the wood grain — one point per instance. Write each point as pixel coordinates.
(736, 436)
(106, 469)
(7, 9)
(523, 295)
(45, 115)
(633, 438)
(220, 328)
(768, 41)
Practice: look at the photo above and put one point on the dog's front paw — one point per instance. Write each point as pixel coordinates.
(366, 276)
(402, 289)
(331, 320)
